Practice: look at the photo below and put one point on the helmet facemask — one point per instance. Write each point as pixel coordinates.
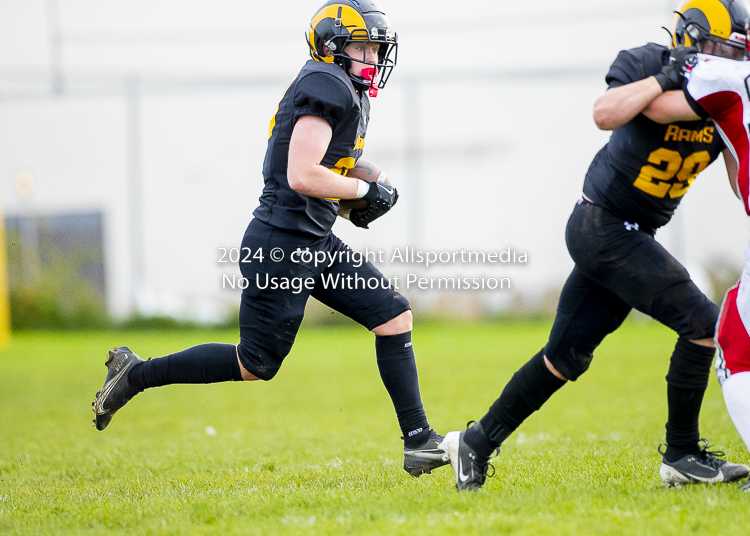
(734, 48)
(376, 74)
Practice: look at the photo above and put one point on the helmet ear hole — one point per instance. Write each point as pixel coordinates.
(693, 31)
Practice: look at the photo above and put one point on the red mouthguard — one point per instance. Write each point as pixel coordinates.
(368, 73)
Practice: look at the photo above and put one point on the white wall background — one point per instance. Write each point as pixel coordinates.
(485, 127)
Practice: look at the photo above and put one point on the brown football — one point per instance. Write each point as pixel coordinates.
(367, 171)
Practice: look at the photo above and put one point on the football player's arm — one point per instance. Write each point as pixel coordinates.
(621, 104)
(307, 147)
(669, 107)
(731, 164)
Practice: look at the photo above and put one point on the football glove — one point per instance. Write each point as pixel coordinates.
(681, 60)
(380, 199)
(381, 195)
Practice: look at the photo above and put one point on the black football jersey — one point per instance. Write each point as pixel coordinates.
(323, 90)
(645, 168)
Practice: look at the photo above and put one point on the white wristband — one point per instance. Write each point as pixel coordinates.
(362, 188)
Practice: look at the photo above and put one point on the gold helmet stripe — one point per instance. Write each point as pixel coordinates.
(715, 12)
(350, 18)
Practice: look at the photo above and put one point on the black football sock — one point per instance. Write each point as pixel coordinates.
(398, 370)
(689, 370)
(205, 363)
(526, 392)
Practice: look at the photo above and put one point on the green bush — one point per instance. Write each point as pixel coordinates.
(51, 288)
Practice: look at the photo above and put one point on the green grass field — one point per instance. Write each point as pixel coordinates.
(317, 450)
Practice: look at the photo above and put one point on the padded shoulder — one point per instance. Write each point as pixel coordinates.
(323, 90)
(637, 64)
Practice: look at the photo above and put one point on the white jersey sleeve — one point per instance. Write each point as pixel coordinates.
(719, 88)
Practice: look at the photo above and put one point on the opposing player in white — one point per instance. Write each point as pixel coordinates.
(720, 88)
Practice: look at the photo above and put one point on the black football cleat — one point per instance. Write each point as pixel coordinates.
(471, 470)
(117, 389)
(426, 457)
(706, 467)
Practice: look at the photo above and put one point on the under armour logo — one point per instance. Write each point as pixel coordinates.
(631, 226)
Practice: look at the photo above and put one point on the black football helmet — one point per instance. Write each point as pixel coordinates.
(340, 22)
(722, 21)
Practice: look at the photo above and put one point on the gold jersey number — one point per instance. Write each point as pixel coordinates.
(670, 174)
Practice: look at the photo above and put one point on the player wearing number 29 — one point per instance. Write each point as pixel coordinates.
(317, 135)
(632, 188)
(718, 88)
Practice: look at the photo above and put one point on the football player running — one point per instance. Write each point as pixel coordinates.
(632, 188)
(718, 88)
(317, 134)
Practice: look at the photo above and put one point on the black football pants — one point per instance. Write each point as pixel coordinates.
(618, 268)
(270, 317)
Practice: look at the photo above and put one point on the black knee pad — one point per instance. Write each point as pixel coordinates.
(690, 365)
(257, 362)
(569, 359)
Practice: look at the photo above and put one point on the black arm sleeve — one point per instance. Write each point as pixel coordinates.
(322, 95)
